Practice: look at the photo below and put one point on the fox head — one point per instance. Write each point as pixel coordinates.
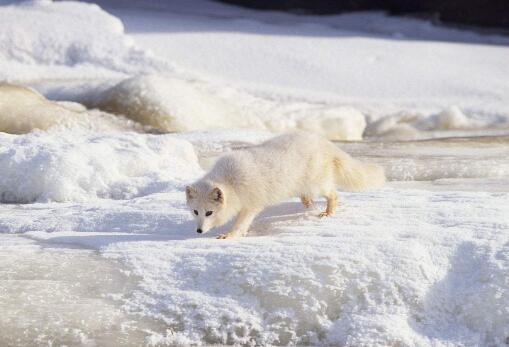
(207, 205)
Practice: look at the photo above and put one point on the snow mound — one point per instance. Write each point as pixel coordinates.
(23, 110)
(76, 166)
(45, 34)
(175, 104)
(417, 276)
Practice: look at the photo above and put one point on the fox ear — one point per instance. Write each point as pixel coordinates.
(217, 195)
(190, 193)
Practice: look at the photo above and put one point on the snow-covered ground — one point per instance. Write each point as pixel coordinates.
(105, 252)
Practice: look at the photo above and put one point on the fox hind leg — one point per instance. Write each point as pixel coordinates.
(332, 202)
(306, 201)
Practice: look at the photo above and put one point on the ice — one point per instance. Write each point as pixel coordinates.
(23, 110)
(177, 104)
(62, 295)
(405, 126)
(428, 160)
(76, 166)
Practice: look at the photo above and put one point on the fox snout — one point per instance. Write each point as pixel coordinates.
(199, 231)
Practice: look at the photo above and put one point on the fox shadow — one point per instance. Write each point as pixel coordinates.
(269, 222)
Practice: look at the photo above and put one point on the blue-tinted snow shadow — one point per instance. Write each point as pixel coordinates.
(192, 16)
(265, 224)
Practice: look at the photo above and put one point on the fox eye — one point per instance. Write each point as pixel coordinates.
(195, 212)
(208, 213)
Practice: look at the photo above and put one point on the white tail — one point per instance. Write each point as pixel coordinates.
(352, 174)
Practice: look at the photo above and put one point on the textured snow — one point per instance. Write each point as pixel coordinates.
(434, 266)
(394, 266)
(431, 273)
(74, 166)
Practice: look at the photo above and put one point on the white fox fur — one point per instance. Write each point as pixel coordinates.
(297, 164)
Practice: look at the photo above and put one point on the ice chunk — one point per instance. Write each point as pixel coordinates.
(176, 104)
(23, 110)
(411, 125)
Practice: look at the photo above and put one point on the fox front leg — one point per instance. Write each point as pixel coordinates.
(241, 225)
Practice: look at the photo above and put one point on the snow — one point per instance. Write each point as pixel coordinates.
(74, 166)
(44, 39)
(336, 72)
(378, 64)
(95, 197)
(298, 278)
(435, 267)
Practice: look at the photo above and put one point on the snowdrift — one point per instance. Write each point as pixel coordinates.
(44, 39)
(77, 166)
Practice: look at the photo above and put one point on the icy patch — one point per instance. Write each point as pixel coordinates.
(475, 157)
(175, 104)
(39, 37)
(73, 165)
(64, 296)
(408, 125)
(23, 110)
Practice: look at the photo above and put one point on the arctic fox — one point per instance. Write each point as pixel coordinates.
(297, 164)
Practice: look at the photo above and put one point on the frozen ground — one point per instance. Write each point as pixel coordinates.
(45, 301)
(98, 248)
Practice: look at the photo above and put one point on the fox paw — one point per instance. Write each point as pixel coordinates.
(325, 214)
(226, 236)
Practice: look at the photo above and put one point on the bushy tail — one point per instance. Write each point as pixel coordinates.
(354, 175)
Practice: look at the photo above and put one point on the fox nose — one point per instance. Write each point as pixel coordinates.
(199, 231)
